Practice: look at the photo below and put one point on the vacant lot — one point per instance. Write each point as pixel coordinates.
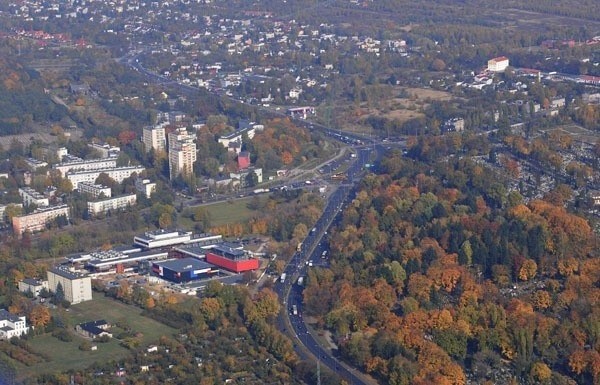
(66, 355)
(233, 211)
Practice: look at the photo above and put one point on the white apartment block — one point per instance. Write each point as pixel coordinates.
(34, 286)
(110, 204)
(117, 173)
(85, 165)
(37, 220)
(154, 137)
(145, 187)
(77, 286)
(105, 150)
(182, 153)
(12, 325)
(498, 64)
(32, 197)
(94, 190)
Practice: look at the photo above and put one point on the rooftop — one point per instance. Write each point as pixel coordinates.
(185, 264)
(64, 272)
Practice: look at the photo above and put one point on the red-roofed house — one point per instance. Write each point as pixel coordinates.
(498, 64)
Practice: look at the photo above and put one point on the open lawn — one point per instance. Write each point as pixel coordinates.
(232, 211)
(66, 355)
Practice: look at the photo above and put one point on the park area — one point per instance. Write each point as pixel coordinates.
(54, 355)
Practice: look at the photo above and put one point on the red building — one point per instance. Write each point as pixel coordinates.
(231, 259)
(243, 160)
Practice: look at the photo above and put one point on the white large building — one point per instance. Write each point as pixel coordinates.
(162, 238)
(94, 190)
(12, 325)
(32, 197)
(498, 64)
(145, 187)
(33, 286)
(154, 138)
(38, 220)
(105, 150)
(85, 165)
(182, 153)
(76, 286)
(119, 174)
(111, 204)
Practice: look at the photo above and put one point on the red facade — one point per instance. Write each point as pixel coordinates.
(231, 265)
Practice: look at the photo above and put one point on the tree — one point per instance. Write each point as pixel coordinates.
(39, 316)
(59, 294)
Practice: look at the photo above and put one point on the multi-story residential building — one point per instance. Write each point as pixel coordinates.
(38, 220)
(94, 190)
(34, 286)
(498, 64)
(182, 153)
(117, 173)
(32, 197)
(76, 286)
(242, 175)
(35, 164)
(78, 164)
(105, 150)
(12, 325)
(154, 138)
(145, 187)
(110, 204)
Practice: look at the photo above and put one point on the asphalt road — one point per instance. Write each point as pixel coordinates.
(311, 256)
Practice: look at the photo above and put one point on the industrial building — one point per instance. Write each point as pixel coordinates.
(231, 259)
(162, 238)
(112, 259)
(183, 270)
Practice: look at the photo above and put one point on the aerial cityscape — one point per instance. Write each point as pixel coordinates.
(299, 192)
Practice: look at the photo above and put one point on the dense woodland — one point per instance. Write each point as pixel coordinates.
(434, 278)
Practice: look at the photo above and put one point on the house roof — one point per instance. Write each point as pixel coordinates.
(93, 327)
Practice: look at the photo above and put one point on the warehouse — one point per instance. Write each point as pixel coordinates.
(183, 270)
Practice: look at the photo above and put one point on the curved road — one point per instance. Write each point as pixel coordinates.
(311, 251)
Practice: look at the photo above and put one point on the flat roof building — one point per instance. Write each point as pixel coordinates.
(94, 190)
(33, 286)
(32, 197)
(78, 164)
(111, 204)
(38, 220)
(154, 138)
(119, 174)
(76, 286)
(112, 259)
(162, 238)
(231, 259)
(183, 270)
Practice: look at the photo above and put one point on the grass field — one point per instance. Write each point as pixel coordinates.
(232, 211)
(66, 355)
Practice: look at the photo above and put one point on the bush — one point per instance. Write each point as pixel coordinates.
(63, 335)
(86, 346)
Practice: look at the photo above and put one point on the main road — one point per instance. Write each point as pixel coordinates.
(309, 256)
